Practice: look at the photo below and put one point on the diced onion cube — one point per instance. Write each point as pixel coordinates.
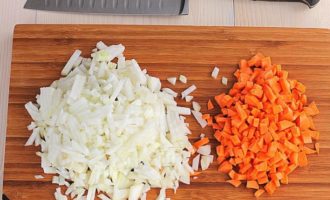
(204, 150)
(170, 92)
(172, 80)
(183, 79)
(188, 91)
(215, 72)
(100, 45)
(224, 80)
(195, 162)
(189, 98)
(206, 161)
(39, 177)
(200, 120)
(69, 65)
(196, 106)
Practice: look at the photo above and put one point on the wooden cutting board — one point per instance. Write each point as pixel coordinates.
(40, 52)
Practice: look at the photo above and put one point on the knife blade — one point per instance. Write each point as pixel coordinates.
(122, 7)
(309, 3)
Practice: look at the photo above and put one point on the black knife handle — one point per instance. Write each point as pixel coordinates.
(310, 3)
(4, 197)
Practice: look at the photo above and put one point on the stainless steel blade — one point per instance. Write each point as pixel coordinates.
(124, 7)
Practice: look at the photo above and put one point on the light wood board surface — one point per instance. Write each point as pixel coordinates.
(40, 52)
(214, 12)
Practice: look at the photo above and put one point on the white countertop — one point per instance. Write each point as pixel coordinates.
(202, 12)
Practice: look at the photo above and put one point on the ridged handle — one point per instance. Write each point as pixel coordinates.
(310, 3)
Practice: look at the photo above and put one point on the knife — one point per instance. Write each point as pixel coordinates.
(123, 7)
(309, 3)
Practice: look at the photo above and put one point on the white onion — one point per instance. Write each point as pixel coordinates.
(195, 162)
(162, 194)
(188, 91)
(198, 117)
(58, 195)
(182, 110)
(224, 80)
(78, 61)
(69, 65)
(31, 126)
(135, 191)
(189, 98)
(170, 92)
(196, 106)
(100, 45)
(206, 161)
(215, 73)
(204, 150)
(39, 177)
(103, 197)
(107, 127)
(183, 79)
(172, 80)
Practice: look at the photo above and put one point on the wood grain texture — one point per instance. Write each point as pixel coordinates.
(214, 12)
(40, 52)
(281, 14)
(10, 14)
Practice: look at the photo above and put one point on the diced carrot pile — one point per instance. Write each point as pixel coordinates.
(263, 126)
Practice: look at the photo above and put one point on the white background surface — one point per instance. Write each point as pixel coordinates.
(202, 12)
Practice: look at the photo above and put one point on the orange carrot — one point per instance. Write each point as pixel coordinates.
(252, 184)
(263, 180)
(285, 180)
(302, 159)
(261, 167)
(309, 150)
(263, 126)
(317, 148)
(299, 86)
(303, 121)
(225, 167)
(257, 91)
(312, 109)
(270, 187)
(243, 64)
(285, 85)
(282, 125)
(210, 105)
(195, 173)
(201, 142)
(206, 116)
(277, 109)
(269, 93)
(240, 111)
(259, 192)
(253, 101)
(235, 183)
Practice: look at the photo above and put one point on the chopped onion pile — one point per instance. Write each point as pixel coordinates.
(107, 127)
